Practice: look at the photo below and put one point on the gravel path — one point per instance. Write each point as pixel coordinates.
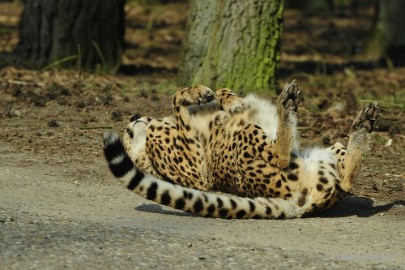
(56, 215)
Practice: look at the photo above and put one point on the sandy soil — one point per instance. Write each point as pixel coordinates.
(60, 207)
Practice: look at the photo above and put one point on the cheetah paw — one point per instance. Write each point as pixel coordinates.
(367, 118)
(290, 97)
(198, 94)
(230, 102)
(238, 105)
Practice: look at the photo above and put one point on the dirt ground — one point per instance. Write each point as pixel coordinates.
(60, 207)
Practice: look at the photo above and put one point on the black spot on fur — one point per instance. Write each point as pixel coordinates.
(187, 195)
(180, 203)
(130, 133)
(319, 187)
(240, 214)
(220, 203)
(293, 166)
(165, 199)
(252, 206)
(302, 199)
(122, 168)
(151, 192)
(223, 213)
(233, 203)
(246, 155)
(292, 177)
(323, 180)
(136, 179)
(198, 206)
(210, 210)
(268, 210)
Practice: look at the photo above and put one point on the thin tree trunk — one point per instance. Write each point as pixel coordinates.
(53, 31)
(387, 38)
(234, 44)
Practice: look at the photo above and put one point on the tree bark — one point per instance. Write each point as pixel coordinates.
(387, 38)
(234, 44)
(58, 30)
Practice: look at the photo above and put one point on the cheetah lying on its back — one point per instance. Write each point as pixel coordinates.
(245, 147)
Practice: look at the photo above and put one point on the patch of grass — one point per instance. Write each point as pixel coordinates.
(58, 63)
(104, 67)
(380, 139)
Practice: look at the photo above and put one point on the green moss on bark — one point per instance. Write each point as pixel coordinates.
(239, 46)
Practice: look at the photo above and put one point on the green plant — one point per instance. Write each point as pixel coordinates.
(104, 66)
(57, 63)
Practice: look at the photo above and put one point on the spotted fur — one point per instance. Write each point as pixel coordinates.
(246, 147)
(197, 202)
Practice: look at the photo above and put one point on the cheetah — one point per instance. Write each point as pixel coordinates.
(245, 148)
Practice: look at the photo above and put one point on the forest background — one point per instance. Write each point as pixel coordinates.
(52, 116)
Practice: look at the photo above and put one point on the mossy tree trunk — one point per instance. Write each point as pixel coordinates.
(54, 31)
(234, 44)
(388, 39)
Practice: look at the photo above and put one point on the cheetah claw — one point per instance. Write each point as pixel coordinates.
(206, 96)
(367, 118)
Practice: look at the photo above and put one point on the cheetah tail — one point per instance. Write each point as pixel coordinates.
(197, 202)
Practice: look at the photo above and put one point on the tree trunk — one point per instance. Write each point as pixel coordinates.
(87, 33)
(234, 44)
(388, 39)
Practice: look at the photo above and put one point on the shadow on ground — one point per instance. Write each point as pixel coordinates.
(349, 206)
(357, 206)
(155, 208)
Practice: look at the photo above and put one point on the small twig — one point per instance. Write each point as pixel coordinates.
(303, 128)
(24, 83)
(383, 103)
(96, 127)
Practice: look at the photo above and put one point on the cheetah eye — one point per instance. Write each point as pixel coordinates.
(130, 133)
(135, 117)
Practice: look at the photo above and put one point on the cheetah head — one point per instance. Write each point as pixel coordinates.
(135, 133)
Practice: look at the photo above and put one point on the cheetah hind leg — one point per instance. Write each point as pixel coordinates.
(363, 125)
(287, 106)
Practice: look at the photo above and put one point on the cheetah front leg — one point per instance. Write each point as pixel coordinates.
(287, 106)
(229, 101)
(198, 94)
(364, 123)
(187, 147)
